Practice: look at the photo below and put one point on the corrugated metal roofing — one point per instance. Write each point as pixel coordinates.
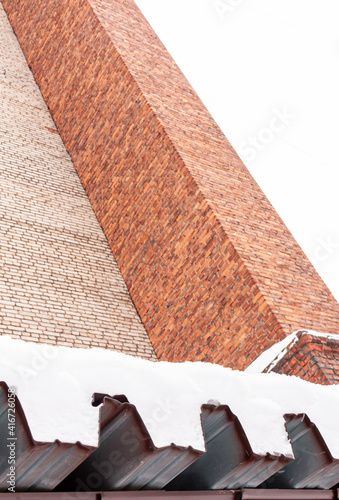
(39, 466)
(229, 461)
(314, 466)
(126, 458)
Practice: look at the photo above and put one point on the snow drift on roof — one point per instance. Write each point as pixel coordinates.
(269, 358)
(55, 387)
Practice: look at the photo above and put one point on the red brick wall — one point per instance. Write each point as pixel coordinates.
(312, 358)
(214, 273)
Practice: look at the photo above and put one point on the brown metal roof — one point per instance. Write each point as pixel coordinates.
(39, 466)
(127, 459)
(314, 466)
(229, 461)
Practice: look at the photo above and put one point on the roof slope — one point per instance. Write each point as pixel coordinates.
(38, 466)
(172, 429)
(126, 458)
(309, 355)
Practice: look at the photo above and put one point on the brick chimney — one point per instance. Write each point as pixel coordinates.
(213, 271)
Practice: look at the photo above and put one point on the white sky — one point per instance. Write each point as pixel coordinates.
(252, 61)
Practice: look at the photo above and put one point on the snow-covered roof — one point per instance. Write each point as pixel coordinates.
(270, 358)
(55, 386)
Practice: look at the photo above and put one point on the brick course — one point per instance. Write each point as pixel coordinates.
(59, 282)
(313, 357)
(214, 273)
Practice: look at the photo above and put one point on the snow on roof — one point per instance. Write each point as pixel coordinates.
(55, 387)
(269, 358)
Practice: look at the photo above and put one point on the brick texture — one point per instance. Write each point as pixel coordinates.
(313, 358)
(214, 273)
(59, 282)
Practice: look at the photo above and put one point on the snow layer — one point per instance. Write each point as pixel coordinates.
(55, 387)
(269, 358)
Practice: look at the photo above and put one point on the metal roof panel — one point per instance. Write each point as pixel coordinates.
(39, 466)
(229, 461)
(314, 466)
(126, 458)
